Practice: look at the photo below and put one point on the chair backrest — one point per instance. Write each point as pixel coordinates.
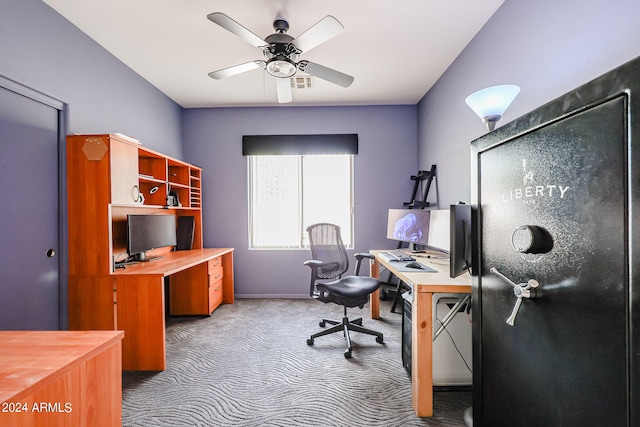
(327, 246)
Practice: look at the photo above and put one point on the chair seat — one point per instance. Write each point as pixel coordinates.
(352, 286)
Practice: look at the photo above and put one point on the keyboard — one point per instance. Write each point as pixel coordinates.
(396, 255)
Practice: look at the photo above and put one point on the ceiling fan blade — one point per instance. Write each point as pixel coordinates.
(325, 29)
(283, 87)
(236, 69)
(230, 25)
(325, 73)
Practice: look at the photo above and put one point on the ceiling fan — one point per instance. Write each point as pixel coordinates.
(282, 52)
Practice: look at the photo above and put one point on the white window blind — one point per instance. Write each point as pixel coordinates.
(287, 193)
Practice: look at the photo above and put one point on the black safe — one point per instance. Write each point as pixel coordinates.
(556, 297)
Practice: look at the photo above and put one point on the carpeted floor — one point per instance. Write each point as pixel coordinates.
(249, 365)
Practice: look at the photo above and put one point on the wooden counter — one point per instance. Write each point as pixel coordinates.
(61, 378)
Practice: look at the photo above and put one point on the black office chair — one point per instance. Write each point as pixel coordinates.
(330, 262)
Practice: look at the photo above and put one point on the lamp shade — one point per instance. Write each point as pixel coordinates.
(492, 101)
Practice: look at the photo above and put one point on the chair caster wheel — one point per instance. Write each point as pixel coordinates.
(322, 324)
(379, 340)
(347, 354)
(309, 341)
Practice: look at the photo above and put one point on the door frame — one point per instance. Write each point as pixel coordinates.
(62, 109)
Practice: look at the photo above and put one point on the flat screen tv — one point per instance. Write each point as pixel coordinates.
(409, 225)
(146, 232)
(460, 246)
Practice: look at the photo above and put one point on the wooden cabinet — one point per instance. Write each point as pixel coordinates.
(153, 178)
(61, 378)
(215, 276)
(161, 176)
(198, 290)
(123, 165)
(99, 169)
(109, 177)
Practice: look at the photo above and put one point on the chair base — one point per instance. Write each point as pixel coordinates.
(345, 326)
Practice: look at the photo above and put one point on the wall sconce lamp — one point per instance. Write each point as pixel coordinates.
(491, 103)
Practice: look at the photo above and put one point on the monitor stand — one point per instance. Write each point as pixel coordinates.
(413, 248)
(142, 257)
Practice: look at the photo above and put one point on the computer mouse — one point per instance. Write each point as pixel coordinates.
(413, 264)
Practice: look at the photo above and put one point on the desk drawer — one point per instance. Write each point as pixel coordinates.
(215, 275)
(214, 264)
(215, 291)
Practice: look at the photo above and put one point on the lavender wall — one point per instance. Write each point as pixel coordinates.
(42, 50)
(547, 47)
(386, 159)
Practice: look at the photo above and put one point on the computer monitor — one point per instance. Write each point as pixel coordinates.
(409, 225)
(439, 230)
(146, 232)
(462, 230)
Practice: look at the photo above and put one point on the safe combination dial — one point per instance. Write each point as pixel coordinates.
(531, 239)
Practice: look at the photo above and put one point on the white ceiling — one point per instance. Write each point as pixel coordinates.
(395, 50)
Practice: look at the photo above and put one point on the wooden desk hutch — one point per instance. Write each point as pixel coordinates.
(109, 177)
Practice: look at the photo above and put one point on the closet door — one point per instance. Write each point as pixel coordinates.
(29, 216)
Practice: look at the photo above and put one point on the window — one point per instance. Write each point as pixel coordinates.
(287, 193)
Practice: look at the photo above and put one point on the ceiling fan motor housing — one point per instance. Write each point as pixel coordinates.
(281, 53)
(281, 26)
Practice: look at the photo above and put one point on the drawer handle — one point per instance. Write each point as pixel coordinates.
(217, 277)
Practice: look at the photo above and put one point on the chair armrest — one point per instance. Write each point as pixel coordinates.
(359, 257)
(314, 265)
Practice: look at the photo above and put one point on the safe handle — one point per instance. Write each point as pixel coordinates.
(520, 290)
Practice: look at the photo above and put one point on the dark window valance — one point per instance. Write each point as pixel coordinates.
(256, 145)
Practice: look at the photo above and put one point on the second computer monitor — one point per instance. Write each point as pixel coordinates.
(439, 230)
(428, 228)
(408, 225)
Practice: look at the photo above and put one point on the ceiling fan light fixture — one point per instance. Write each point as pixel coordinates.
(281, 67)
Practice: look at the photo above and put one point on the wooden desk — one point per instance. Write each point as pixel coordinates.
(424, 286)
(56, 378)
(133, 300)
